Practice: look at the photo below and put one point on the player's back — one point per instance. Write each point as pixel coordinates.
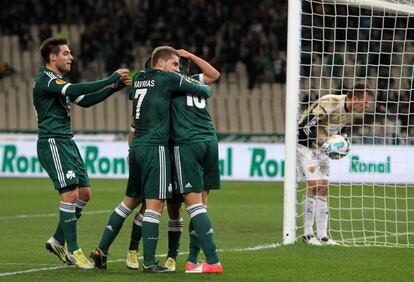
(52, 108)
(191, 120)
(151, 107)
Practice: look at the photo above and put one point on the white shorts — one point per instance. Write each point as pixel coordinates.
(312, 164)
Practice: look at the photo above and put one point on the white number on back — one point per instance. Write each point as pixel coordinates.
(199, 102)
(139, 94)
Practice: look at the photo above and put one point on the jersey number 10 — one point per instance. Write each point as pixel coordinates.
(199, 102)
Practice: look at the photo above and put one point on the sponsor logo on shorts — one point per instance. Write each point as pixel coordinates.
(188, 185)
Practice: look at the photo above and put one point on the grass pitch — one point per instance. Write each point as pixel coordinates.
(247, 219)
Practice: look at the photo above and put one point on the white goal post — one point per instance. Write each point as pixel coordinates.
(332, 45)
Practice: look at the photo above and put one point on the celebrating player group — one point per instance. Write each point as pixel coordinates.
(173, 156)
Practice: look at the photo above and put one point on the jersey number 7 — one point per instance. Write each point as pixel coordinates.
(139, 94)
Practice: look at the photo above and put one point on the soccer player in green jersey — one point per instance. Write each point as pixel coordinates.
(197, 168)
(149, 158)
(194, 125)
(56, 150)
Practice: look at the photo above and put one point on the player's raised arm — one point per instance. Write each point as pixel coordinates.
(73, 90)
(97, 97)
(182, 83)
(210, 74)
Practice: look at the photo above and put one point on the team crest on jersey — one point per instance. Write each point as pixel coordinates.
(190, 80)
(70, 174)
(60, 81)
(312, 169)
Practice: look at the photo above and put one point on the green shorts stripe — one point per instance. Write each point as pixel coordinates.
(197, 167)
(163, 180)
(57, 162)
(149, 172)
(63, 163)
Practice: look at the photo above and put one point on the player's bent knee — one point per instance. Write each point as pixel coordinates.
(85, 194)
(70, 196)
(192, 198)
(154, 204)
(131, 203)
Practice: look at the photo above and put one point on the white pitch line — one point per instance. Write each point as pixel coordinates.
(254, 248)
(23, 216)
(30, 270)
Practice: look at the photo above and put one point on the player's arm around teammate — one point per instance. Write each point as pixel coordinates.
(200, 121)
(56, 150)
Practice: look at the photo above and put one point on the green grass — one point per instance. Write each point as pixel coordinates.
(243, 214)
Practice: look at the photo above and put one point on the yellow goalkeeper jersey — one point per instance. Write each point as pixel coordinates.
(332, 114)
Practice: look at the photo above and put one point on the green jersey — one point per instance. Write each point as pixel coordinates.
(52, 95)
(191, 120)
(52, 108)
(152, 92)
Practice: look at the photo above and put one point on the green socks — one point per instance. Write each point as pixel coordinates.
(68, 223)
(136, 232)
(114, 225)
(194, 248)
(175, 229)
(203, 229)
(150, 232)
(78, 212)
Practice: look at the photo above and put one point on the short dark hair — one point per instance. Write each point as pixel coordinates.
(185, 64)
(358, 91)
(163, 52)
(51, 45)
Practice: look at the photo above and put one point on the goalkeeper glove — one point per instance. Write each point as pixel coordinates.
(327, 148)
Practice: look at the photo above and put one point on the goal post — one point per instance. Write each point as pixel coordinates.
(292, 102)
(332, 45)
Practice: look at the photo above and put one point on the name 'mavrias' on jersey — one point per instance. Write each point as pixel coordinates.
(325, 117)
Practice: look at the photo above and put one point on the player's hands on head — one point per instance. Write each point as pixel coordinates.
(185, 54)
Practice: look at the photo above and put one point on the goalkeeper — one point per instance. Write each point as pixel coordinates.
(325, 117)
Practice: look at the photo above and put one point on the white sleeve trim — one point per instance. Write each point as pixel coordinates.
(79, 99)
(181, 80)
(201, 78)
(65, 87)
(132, 129)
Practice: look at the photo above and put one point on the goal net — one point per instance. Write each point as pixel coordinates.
(339, 44)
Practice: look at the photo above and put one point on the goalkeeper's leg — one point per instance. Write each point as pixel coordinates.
(309, 209)
(322, 213)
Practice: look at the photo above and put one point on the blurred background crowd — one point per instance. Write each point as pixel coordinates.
(223, 32)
